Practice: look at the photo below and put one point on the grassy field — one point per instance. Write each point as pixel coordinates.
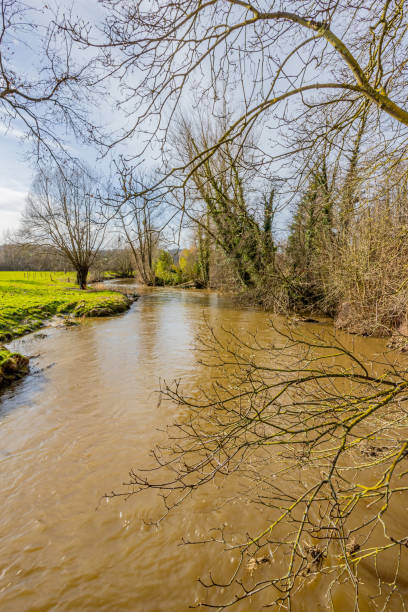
(28, 298)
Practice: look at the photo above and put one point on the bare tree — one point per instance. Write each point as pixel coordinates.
(49, 99)
(63, 214)
(262, 54)
(140, 218)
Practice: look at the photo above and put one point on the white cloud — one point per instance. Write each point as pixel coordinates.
(12, 203)
(12, 200)
(9, 221)
(11, 133)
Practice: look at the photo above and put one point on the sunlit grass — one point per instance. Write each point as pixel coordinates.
(28, 298)
(68, 278)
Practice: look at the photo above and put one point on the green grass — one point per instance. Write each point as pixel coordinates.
(28, 298)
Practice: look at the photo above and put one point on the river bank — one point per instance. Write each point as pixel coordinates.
(29, 299)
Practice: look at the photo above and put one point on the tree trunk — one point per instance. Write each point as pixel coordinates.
(203, 256)
(82, 275)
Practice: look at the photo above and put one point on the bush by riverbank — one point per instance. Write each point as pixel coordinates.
(27, 299)
(12, 366)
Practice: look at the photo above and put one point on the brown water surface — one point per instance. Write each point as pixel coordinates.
(70, 432)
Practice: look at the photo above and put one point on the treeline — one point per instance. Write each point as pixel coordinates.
(342, 251)
(17, 257)
(334, 243)
(288, 186)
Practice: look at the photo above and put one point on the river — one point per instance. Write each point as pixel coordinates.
(71, 431)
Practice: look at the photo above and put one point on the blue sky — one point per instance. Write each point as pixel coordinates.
(17, 164)
(15, 178)
(17, 168)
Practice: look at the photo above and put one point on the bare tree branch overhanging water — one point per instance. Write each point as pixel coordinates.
(314, 436)
(45, 86)
(277, 61)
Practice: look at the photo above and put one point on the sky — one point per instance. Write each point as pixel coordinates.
(17, 167)
(15, 179)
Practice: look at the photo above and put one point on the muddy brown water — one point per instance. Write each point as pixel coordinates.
(70, 432)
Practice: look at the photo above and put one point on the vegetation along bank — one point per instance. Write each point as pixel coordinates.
(28, 299)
